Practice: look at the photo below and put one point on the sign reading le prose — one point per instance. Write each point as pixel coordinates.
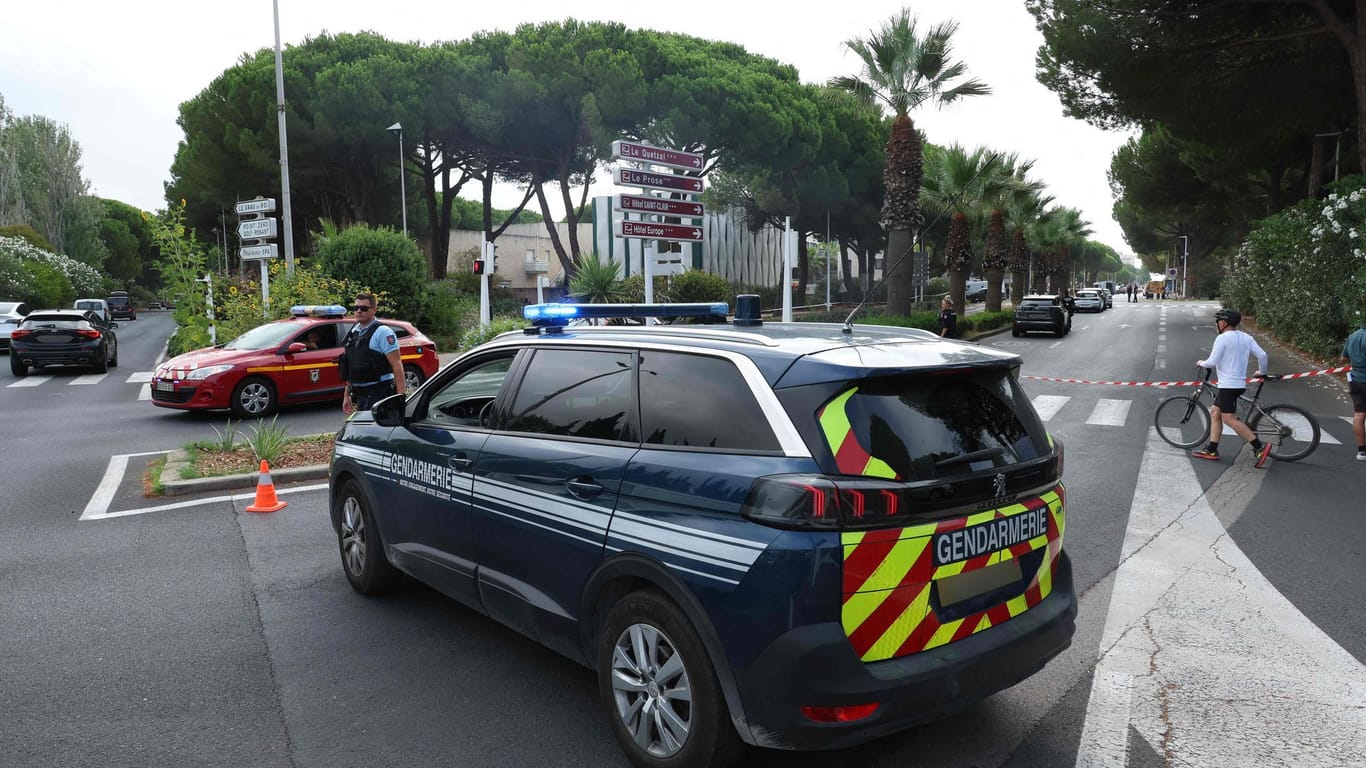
(256, 229)
(629, 150)
(678, 232)
(264, 205)
(657, 205)
(631, 178)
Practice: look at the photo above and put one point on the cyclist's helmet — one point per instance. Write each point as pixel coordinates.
(1230, 316)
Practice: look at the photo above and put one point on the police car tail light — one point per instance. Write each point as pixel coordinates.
(845, 714)
(821, 502)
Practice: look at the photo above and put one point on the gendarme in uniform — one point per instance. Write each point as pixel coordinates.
(368, 370)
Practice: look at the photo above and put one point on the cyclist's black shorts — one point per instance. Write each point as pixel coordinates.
(1228, 399)
(1358, 390)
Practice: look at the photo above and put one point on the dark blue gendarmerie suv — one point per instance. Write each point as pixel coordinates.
(795, 536)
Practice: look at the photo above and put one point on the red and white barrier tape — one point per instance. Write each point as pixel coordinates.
(1301, 375)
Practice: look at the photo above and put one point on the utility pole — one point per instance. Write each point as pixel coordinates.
(284, 146)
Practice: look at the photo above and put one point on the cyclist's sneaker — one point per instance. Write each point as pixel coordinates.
(1205, 453)
(1262, 455)
(1361, 455)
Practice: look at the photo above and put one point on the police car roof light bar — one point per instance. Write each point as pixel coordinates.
(317, 310)
(561, 314)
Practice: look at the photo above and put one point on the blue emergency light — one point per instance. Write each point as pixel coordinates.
(561, 314)
(317, 310)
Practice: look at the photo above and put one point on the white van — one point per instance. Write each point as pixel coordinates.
(98, 306)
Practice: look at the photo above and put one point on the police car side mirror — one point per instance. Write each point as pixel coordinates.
(389, 411)
(296, 347)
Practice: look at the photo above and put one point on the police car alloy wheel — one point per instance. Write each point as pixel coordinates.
(358, 540)
(253, 398)
(654, 676)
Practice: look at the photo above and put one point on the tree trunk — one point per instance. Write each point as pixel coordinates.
(994, 277)
(900, 289)
(901, 212)
(845, 288)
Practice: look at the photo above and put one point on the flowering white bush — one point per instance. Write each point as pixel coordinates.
(1303, 271)
(16, 279)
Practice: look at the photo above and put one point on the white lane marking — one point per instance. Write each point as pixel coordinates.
(1109, 413)
(1105, 739)
(1224, 670)
(1054, 344)
(192, 502)
(1161, 337)
(89, 378)
(1049, 405)
(145, 392)
(1160, 364)
(109, 484)
(30, 381)
(140, 377)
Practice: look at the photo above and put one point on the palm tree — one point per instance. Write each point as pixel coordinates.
(964, 186)
(1064, 230)
(1014, 189)
(1025, 212)
(903, 70)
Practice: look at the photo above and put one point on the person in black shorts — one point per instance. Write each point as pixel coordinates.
(1354, 350)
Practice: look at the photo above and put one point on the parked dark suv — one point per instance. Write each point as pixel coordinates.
(121, 307)
(798, 536)
(1041, 313)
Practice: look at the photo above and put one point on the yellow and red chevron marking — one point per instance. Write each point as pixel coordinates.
(850, 457)
(888, 576)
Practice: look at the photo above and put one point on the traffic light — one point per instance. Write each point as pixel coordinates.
(479, 266)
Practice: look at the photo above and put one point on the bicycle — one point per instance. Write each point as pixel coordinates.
(1183, 420)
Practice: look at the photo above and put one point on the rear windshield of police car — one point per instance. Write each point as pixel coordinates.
(933, 427)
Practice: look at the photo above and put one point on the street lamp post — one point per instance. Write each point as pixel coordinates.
(1185, 251)
(402, 185)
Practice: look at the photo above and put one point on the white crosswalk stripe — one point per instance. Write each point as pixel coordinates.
(140, 377)
(145, 392)
(30, 381)
(1049, 405)
(1109, 413)
(91, 378)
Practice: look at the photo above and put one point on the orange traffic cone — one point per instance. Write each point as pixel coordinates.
(265, 493)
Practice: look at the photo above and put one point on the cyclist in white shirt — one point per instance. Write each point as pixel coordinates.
(1228, 358)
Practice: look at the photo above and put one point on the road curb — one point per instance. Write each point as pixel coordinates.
(173, 485)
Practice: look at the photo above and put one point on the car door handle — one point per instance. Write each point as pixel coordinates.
(583, 488)
(459, 461)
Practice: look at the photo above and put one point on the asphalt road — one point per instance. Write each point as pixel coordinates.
(195, 633)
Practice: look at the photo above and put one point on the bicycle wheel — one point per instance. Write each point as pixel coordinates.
(1182, 421)
(1291, 431)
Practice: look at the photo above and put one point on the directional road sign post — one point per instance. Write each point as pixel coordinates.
(632, 178)
(258, 206)
(681, 233)
(657, 205)
(257, 229)
(644, 153)
(259, 252)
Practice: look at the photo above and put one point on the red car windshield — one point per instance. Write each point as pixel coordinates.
(269, 336)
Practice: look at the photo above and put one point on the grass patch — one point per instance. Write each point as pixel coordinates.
(151, 478)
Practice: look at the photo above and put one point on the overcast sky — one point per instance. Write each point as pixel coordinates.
(116, 73)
